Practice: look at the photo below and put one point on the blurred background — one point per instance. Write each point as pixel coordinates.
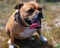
(50, 22)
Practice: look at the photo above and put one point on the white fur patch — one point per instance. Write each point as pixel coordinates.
(9, 41)
(43, 38)
(11, 46)
(27, 33)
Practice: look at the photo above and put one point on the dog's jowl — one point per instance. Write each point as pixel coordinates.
(25, 21)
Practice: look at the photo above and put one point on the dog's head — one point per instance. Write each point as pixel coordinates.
(29, 9)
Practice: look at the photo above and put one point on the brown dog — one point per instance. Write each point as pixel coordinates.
(18, 23)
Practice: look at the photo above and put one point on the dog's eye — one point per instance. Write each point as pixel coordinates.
(31, 10)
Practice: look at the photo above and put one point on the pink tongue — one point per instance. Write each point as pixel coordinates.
(34, 25)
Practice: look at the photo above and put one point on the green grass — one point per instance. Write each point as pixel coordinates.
(58, 45)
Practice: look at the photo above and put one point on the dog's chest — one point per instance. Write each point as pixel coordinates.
(26, 33)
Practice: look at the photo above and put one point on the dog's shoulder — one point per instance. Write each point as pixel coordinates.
(11, 19)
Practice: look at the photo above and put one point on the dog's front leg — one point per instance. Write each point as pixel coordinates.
(42, 38)
(11, 41)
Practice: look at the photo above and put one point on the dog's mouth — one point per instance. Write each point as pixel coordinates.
(30, 20)
(33, 21)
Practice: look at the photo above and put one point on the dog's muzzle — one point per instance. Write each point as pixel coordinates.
(35, 17)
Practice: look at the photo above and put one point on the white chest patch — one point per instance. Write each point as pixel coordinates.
(27, 32)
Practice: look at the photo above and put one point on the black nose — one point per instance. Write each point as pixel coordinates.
(40, 15)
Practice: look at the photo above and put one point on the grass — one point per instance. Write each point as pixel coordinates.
(58, 45)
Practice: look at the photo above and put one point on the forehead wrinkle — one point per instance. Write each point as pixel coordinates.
(29, 5)
(35, 5)
(26, 7)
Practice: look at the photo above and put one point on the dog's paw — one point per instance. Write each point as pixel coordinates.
(43, 39)
(11, 46)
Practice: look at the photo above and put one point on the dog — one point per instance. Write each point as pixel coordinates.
(20, 23)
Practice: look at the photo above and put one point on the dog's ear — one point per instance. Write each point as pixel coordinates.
(19, 5)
